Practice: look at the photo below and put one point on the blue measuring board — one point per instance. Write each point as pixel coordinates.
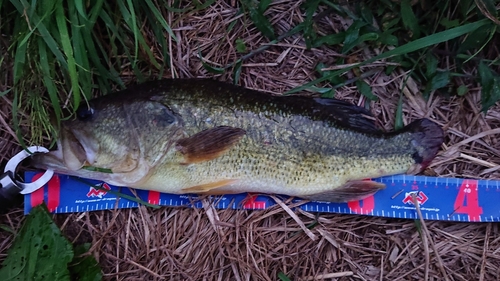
(449, 199)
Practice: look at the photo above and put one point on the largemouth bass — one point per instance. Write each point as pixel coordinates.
(203, 136)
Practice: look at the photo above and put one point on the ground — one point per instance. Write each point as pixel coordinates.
(210, 244)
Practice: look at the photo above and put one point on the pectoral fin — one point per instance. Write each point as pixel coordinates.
(209, 144)
(208, 188)
(351, 191)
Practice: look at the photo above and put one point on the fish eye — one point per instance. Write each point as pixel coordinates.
(84, 112)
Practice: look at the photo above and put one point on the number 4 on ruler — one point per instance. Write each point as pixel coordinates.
(467, 201)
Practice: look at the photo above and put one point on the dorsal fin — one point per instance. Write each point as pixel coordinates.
(350, 116)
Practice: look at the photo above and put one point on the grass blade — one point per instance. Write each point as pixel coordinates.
(366, 90)
(5, 92)
(209, 68)
(200, 7)
(332, 39)
(431, 64)
(19, 61)
(409, 19)
(398, 124)
(68, 51)
(490, 82)
(116, 33)
(148, 52)
(94, 14)
(352, 35)
(259, 20)
(135, 30)
(237, 72)
(309, 32)
(283, 277)
(161, 19)
(47, 80)
(44, 32)
(160, 37)
(404, 49)
(439, 80)
(430, 40)
(81, 58)
(15, 119)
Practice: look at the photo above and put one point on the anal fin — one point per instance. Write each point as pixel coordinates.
(208, 188)
(351, 191)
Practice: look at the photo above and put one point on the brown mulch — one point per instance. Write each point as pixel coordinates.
(210, 244)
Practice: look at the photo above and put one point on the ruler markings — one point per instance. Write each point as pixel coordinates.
(451, 199)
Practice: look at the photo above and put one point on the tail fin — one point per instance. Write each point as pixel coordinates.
(427, 138)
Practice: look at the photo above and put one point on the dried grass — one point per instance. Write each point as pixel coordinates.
(210, 244)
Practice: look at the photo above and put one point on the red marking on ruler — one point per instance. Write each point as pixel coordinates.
(53, 193)
(154, 197)
(37, 195)
(251, 203)
(467, 201)
(364, 206)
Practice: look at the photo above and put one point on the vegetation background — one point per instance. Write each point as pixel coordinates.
(401, 59)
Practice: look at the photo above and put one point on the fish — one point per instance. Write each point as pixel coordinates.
(204, 136)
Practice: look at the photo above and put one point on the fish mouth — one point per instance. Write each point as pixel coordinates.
(71, 154)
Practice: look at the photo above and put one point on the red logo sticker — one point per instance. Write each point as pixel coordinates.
(421, 197)
(94, 192)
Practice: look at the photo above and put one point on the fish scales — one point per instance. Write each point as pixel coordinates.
(297, 146)
(281, 150)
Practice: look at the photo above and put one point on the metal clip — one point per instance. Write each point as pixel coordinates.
(9, 192)
(7, 183)
(7, 179)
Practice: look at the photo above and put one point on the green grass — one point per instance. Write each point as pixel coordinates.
(417, 34)
(63, 51)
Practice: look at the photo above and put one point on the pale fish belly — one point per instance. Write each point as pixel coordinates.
(274, 171)
(298, 179)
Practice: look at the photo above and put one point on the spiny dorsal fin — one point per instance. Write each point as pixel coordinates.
(350, 116)
(209, 144)
(351, 191)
